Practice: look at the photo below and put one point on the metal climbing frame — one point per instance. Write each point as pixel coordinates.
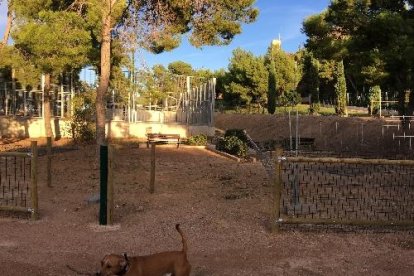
(191, 103)
(15, 100)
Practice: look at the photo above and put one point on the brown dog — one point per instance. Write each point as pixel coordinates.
(174, 262)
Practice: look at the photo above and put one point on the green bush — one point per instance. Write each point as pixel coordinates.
(83, 120)
(314, 108)
(232, 145)
(290, 98)
(239, 133)
(197, 140)
(374, 96)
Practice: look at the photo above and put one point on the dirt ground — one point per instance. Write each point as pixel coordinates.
(223, 208)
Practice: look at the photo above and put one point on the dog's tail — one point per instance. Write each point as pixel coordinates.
(177, 226)
(80, 272)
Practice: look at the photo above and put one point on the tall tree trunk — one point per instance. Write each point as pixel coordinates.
(46, 106)
(8, 27)
(105, 75)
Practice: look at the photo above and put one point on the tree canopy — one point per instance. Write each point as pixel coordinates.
(374, 39)
(247, 79)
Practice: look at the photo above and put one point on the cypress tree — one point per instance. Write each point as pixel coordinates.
(271, 91)
(340, 90)
(311, 78)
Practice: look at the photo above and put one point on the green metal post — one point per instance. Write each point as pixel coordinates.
(103, 152)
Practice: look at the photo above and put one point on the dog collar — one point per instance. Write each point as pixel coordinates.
(126, 268)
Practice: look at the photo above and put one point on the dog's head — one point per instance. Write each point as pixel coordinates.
(112, 265)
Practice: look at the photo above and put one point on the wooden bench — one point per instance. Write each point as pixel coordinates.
(163, 138)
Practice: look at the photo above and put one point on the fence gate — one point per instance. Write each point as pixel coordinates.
(18, 181)
(343, 191)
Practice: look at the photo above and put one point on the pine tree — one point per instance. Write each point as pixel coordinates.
(53, 40)
(246, 80)
(160, 26)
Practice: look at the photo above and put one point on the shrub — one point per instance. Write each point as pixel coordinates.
(197, 140)
(374, 97)
(232, 145)
(314, 108)
(82, 122)
(239, 133)
(290, 98)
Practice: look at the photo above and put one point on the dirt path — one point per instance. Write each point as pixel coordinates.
(222, 207)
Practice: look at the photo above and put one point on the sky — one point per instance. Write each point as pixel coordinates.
(277, 17)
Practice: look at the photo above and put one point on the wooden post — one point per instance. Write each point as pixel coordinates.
(110, 196)
(277, 188)
(152, 178)
(33, 182)
(49, 161)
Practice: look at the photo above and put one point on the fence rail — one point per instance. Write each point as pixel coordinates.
(343, 191)
(18, 181)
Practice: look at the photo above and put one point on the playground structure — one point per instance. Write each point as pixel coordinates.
(17, 101)
(192, 103)
(187, 110)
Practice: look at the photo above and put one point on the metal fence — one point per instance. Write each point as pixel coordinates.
(196, 106)
(17, 101)
(343, 191)
(193, 104)
(18, 181)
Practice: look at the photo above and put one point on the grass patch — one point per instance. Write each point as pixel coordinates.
(303, 109)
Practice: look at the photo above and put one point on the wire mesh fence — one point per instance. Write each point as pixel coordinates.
(18, 181)
(344, 191)
(15, 181)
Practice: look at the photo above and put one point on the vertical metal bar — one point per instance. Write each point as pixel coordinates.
(43, 96)
(49, 161)
(14, 92)
(290, 133)
(152, 177)
(213, 99)
(297, 132)
(62, 100)
(6, 95)
(277, 189)
(110, 203)
(72, 95)
(33, 182)
(380, 105)
(103, 153)
(24, 103)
